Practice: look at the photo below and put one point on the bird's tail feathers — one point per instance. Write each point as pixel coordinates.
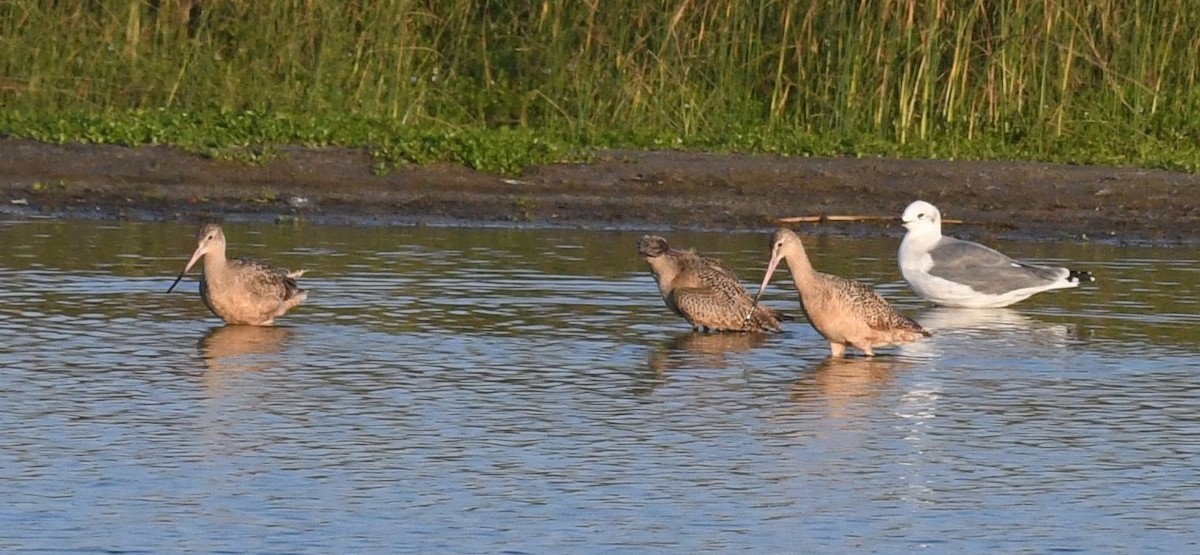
(781, 316)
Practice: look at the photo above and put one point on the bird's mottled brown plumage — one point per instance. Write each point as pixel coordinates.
(843, 311)
(704, 291)
(241, 291)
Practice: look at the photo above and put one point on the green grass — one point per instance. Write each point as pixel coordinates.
(500, 85)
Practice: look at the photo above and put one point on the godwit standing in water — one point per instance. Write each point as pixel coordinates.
(952, 272)
(703, 290)
(241, 291)
(843, 311)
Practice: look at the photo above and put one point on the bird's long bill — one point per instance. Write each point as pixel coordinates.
(763, 286)
(195, 257)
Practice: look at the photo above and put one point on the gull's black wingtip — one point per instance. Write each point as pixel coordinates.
(1077, 276)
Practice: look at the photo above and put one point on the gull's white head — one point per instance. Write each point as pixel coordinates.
(921, 215)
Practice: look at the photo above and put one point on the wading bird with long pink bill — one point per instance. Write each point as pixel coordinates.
(241, 291)
(845, 312)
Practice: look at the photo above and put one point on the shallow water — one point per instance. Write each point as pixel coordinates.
(491, 390)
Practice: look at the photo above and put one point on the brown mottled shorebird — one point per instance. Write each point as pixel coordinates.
(843, 311)
(704, 291)
(241, 291)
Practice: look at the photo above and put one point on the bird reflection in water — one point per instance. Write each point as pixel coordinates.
(973, 329)
(844, 381)
(976, 319)
(235, 349)
(696, 350)
(702, 349)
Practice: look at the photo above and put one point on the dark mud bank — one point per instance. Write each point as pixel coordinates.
(620, 189)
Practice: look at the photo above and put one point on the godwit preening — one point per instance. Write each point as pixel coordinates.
(952, 272)
(704, 291)
(843, 311)
(241, 291)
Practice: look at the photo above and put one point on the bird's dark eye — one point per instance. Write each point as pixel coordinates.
(921, 216)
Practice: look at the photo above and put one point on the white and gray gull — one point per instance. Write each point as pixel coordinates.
(952, 272)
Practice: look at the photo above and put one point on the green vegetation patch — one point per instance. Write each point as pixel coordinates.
(500, 85)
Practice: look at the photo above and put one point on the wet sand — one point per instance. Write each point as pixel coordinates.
(620, 189)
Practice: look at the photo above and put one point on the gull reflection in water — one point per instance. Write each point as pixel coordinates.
(974, 319)
(237, 348)
(1002, 326)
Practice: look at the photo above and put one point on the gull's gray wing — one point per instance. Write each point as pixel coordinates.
(987, 270)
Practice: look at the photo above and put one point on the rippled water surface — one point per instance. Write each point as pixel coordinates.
(507, 391)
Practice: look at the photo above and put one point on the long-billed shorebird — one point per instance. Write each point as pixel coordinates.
(843, 311)
(704, 291)
(241, 291)
(957, 273)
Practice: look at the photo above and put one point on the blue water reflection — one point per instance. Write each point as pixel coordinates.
(483, 391)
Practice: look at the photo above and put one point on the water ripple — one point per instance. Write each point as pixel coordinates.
(475, 391)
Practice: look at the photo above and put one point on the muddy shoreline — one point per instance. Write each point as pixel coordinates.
(620, 189)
